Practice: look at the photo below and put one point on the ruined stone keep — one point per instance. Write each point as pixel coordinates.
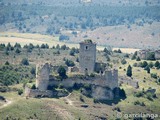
(87, 57)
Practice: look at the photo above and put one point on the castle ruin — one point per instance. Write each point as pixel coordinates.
(101, 86)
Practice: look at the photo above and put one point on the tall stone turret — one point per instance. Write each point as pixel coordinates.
(87, 57)
(42, 76)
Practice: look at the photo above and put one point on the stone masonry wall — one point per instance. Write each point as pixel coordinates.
(87, 57)
(42, 76)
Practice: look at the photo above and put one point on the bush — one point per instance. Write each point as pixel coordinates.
(139, 94)
(6, 63)
(81, 98)
(157, 64)
(33, 71)
(33, 86)
(150, 64)
(139, 103)
(138, 59)
(123, 61)
(69, 63)
(92, 75)
(95, 101)
(149, 96)
(71, 52)
(77, 59)
(150, 56)
(20, 91)
(25, 61)
(18, 51)
(122, 93)
(129, 71)
(62, 72)
(63, 37)
(147, 69)
(144, 64)
(135, 64)
(154, 75)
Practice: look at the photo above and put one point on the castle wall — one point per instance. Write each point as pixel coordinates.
(37, 93)
(97, 80)
(101, 93)
(87, 57)
(111, 78)
(128, 81)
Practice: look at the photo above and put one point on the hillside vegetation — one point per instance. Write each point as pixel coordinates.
(72, 21)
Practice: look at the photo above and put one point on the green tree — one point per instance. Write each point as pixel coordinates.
(72, 52)
(6, 63)
(150, 56)
(138, 59)
(129, 71)
(17, 51)
(43, 46)
(150, 64)
(134, 56)
(62, 72)
(147, 69)
(33, 86)
(33, 71)
(69, 63)
(123, 61)
(25, 61)
(157, 64)
(144, 64)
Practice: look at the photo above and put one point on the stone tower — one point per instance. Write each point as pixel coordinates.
(111, 77)
(42, 76)
(87, 57)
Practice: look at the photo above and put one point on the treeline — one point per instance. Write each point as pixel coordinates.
(17, 48)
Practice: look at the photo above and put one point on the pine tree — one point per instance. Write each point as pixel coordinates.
(129, 71)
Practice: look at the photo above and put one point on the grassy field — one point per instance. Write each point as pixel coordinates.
(146, 36)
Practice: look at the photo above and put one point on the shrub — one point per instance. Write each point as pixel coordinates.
(149, 96)
(33, 71)
(72, 52)
(150, 64)
(129, 71)
(154, 75)
(20, 91)
(25, 61)
(33, 86)
(69, 63)
(138, 59)
(157, 64)
(123, 61)
(18, 51)
(144, 64)
(150, 56)
(95, 101)
(63, 37)
(139, 94)
(92, 75)
(77, 59)
(62, 72)
(135, 64)
(6, 63)
(81, 98)
(122, 93)
(147, 69)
